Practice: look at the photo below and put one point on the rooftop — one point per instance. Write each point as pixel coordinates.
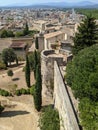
(18, 45)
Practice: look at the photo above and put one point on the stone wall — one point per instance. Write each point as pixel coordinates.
(62, 102)
(41, 42)
(47, 68)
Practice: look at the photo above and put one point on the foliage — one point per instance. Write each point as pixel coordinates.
(89, 114)
(10, 73)
(6, 33)
(82, 76)
(3, 34)
(82, 73)
(8, 56)
(19, 34)
(4, 92)
(32, 89)
(36, 43)
(38, 89)
(31, 60)
(49, 119)
(21, 91)
(87, 34)
(26, 30)
(10, 34)
(94, 12)
(27, 72)
(25, 91)
(36, 61)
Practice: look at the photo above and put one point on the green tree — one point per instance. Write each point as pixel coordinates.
(27, 72)
(10, 34)
(82, 73)
(49, 119)
(87, 34)
(82, 76)
(38, 89)
(26, 29)
(36, 61)
(36, 43)
(8, 56)
(3, 34)
(19, 34)
(31, 60)
(89, 114)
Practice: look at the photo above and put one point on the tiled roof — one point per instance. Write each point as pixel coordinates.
(17, 45)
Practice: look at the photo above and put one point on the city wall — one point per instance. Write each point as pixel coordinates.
(47, 68)
(62, 102)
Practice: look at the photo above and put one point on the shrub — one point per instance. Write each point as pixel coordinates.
(49, 119)
(4, 93)
(10, 73)
(32, 90)
(18, 92)
(23, 91)
(28, 91)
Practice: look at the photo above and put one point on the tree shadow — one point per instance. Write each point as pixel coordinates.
(15, 79)
(15, 65)
(13, 113)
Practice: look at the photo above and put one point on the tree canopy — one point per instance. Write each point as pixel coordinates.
(27, 71)
(8, 56)
(49, 119)
(82, 77)
(6, 33)
(86, 35)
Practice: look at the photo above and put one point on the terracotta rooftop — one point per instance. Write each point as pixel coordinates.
(18, 45)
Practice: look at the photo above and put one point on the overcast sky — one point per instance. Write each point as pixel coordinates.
(11, 2)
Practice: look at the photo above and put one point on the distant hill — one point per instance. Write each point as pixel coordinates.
(84, 4)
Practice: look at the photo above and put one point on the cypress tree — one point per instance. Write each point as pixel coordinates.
(36, 60)
(38, 89)
(36, 43)
(87, 34)
(26, 29)
(27, 72)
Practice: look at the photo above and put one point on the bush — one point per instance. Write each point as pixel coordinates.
(10, 73)
(49, 119)
(23, 91)
(18, 92)
(4, 93)
(32, 90)
(28, 91)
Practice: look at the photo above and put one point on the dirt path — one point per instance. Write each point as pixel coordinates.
(19, 114)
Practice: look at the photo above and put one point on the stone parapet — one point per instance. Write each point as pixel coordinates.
(62, 101)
